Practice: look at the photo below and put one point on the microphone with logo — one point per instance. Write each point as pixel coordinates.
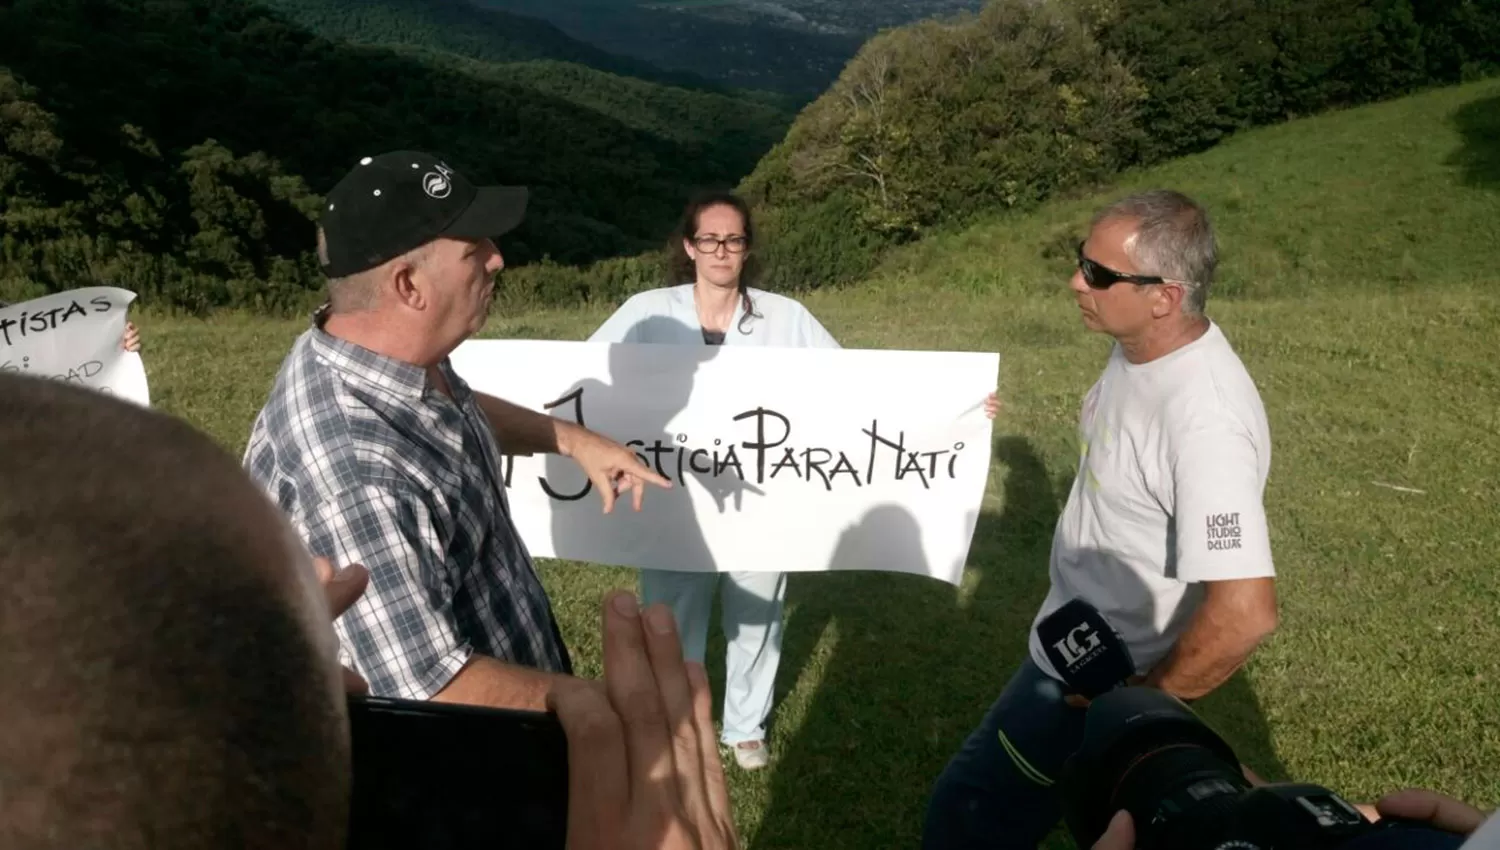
(1085, 650)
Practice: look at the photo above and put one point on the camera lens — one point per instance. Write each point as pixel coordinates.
(1182, 793)
(1145, 751)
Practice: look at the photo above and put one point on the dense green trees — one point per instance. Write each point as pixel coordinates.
(1216, 67)
(178, 146)
(933, 123)
(936, 121)
(724, 42)
(196, 229)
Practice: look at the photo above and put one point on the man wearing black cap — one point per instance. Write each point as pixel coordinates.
(381, 455)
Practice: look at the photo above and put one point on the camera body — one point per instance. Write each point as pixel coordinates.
(1145, 751)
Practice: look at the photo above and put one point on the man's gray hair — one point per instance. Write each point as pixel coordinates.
(360, 291)
(1173, 239)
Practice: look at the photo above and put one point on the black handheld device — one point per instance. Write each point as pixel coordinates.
(454, 777)
(1085, 650)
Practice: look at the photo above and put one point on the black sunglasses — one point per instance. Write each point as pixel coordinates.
(1103, 277)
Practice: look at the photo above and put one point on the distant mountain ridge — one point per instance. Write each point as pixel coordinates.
(785, 52)
(178, 147)
(835, 17)
(462, 28)
(726, 131)
(749, 51)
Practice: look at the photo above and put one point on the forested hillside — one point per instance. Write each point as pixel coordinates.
(750, 53)
(462, 28)
(178, 147)
(847, 17)
(730, 133)
(796, 47)
(935, 122)
(940, 121)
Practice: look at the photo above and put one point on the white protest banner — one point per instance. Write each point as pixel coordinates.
(781, 459)
(75, 336)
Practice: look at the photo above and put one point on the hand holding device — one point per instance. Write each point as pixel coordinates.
(1145, 753)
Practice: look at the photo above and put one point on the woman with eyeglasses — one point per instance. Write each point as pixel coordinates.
(713, 301)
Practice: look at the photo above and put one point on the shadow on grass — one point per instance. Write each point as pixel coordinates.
(913, 670)
(1478, 160)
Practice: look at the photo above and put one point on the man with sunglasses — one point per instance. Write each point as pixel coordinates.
(1164, 534)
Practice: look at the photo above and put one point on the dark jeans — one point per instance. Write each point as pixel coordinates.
(999, 791)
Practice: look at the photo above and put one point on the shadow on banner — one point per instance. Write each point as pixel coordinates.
(648, 402)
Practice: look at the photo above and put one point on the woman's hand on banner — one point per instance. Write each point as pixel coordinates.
(992, 405)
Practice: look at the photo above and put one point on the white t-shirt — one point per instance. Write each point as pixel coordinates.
(669, 315)
(1174, 456)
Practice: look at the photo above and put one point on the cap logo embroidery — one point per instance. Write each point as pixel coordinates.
(437, 183)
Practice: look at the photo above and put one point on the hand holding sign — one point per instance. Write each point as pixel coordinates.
(76, 336)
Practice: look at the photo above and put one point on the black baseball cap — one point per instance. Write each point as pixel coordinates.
(395, 202)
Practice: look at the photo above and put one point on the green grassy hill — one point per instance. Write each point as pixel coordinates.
(1358, 285)
(935, 125)
(1394, 197)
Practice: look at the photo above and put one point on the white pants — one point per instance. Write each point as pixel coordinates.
(752, 605)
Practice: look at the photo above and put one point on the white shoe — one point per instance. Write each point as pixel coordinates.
(752, 755)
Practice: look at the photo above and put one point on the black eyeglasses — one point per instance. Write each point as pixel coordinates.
(710, 244)
(1103, 277)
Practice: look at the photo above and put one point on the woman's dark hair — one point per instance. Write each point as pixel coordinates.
(680, 266)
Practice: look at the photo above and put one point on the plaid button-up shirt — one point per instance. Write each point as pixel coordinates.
(374, 466)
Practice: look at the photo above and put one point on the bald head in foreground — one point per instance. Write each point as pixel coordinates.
(168, 674)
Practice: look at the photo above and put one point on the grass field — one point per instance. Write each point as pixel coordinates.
(1362, 288)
